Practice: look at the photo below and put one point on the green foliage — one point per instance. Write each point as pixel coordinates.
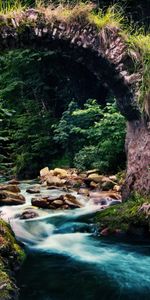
(31, 86)
(31, 142)
(5, 115)
(23, 89)
(92, 137)
(125, 215)
(37, 88)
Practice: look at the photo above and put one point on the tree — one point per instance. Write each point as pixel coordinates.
(5, 115)
(93, 137)
(119, 58)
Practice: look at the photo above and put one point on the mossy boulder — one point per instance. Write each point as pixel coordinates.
(128, 217)
(11, 257)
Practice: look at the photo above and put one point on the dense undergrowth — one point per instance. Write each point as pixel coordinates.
(41, 127)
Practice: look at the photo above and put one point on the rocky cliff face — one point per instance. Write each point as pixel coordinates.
(138, 153)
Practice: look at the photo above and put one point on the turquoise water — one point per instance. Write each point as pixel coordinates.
(66, 260)
(118, 272)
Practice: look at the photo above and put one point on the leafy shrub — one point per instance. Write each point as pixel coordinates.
(93, 137)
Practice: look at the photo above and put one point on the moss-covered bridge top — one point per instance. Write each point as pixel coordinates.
(92, 40)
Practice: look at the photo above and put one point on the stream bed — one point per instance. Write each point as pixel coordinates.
(66, 260)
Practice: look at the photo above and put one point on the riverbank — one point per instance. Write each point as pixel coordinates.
(11, 258)
(62, 212)
(130, 218)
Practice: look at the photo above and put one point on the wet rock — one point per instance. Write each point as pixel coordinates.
(33, 190)
(95, 177)
(55, 181)
(58, 202)
(72, 201)
(63, 202)
(44, 172)
(94, 185)
(10, 188)
(105, 232)
(113, 178)
(104, 201)
(74, 182)
(29, 214)
(94, 171)
(107, 184)
(44, 184)
(116, 188)
(13, 181)
(101, 201)
(65, 206)
(109, 194)
(40, 202)
(61, 172)
(9, 198)
(83, 191)
(83, 175)
(52, 187)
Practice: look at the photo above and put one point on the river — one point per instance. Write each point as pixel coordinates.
(66, 260)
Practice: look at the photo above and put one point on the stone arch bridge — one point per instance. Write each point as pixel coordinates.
(106, 55)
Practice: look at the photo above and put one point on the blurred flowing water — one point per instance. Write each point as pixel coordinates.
(66, 260)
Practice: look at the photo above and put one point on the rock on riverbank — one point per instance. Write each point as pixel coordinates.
(11, 257)
(10, 195)
(95, 187)
(130, 218)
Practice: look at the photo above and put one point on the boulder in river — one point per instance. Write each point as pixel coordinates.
(107, 184)
(117, 188)
(10, 187)
(95, 177)
(94, 185)
(10, 198)
(44, 172)
(61, 172)
(55, 181)
(33, 190)
(13, 181)
(62, 201)
(89, 172)
(102, 194)
(28, 214)
(10, 195)
(41, 202)
(83, 191)
(72, 201)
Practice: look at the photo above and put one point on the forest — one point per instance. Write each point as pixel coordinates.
(74, 149)
(37, 92)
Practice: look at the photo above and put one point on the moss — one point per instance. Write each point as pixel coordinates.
(121, 175)
(138, 42)
(7, 286)
(11, 257)
(125, 215)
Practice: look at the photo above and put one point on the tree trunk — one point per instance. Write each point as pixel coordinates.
(138, 159)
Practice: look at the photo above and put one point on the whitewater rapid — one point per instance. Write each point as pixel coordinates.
(72, 234)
